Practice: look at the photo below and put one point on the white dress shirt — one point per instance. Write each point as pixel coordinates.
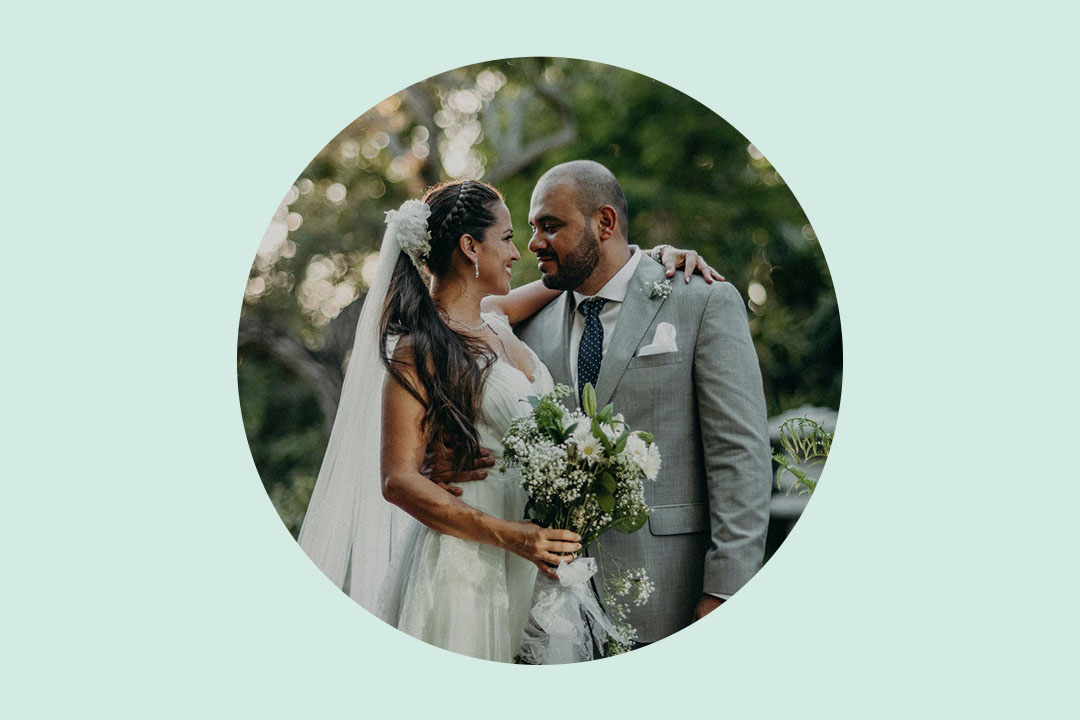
(614, 291)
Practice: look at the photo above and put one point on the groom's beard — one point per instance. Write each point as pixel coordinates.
(576, 266)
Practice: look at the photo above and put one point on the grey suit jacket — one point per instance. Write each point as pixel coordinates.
(705, 407)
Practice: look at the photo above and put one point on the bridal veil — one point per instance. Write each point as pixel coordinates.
(349, 528)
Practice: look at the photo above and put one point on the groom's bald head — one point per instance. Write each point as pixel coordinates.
(578, 216)
(593, 186)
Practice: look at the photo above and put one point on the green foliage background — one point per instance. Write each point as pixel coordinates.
(690, 178)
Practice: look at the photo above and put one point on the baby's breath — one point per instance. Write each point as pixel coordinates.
(586, 473)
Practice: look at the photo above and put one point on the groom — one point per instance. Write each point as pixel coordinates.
(696, 388)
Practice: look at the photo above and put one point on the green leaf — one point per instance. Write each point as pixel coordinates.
(606, 502)
(806, 444)
(646, 436)
(620, 444)
(606, 481)
(632, 523)
(606, 413)
(599, 435)
(549, 419)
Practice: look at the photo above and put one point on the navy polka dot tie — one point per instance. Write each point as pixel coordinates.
(591, 350)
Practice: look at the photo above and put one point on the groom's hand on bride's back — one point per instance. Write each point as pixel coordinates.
(439, 467)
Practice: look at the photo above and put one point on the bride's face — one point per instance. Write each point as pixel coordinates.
(497, 254)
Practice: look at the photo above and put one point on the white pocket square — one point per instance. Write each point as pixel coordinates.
(663, 341)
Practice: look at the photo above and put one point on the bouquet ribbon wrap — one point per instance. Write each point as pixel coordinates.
(567, 623)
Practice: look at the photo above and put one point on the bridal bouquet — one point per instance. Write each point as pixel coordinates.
(583, 471)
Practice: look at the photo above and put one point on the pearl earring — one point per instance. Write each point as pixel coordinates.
(477, 263)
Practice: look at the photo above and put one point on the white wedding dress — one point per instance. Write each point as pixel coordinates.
(459, 595)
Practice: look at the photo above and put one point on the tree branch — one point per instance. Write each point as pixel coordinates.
(513, 158)
(321, 372)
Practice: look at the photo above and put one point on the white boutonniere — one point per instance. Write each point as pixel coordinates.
(660, 289)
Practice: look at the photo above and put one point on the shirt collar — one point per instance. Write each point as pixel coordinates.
(615, 288)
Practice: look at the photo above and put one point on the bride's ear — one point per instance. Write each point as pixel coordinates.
(467, 244)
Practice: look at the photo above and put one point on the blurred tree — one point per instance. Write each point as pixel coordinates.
(690, 178)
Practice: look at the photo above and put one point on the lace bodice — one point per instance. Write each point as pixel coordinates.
(505, 394)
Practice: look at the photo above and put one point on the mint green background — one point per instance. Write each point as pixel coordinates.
(144, 152)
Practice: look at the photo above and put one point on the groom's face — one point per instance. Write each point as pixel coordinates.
(562, 238)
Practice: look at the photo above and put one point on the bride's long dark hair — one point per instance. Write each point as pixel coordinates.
(450, 366)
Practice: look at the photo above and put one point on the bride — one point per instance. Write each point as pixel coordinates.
(458, 569)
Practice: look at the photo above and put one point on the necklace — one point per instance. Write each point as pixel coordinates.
(478, 328)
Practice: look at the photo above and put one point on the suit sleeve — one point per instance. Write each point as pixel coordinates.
(735, 442)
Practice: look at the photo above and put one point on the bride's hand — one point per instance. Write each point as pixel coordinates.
(543, 547)
(690, 261)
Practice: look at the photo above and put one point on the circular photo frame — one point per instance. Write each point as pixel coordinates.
(540, 360)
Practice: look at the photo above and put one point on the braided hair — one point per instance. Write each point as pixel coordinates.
(459, 208)
(450, 366)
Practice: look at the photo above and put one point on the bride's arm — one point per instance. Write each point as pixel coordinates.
(403, 484)
(521, 303)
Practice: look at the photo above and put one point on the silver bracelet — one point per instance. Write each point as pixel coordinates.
(656, 252)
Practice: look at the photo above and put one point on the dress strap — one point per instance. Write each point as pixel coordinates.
(497, 318)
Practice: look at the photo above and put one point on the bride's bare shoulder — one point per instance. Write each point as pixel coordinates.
(402, 360)
(401, 352)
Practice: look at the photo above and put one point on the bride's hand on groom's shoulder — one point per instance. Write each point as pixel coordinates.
(689, 261)
(439, 467)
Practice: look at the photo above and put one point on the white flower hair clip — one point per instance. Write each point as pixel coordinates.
(408, 226)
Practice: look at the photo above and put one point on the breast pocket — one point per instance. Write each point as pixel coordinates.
(678, 519)
(669, 358)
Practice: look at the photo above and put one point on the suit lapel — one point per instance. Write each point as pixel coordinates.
(635, 317)
(554, 351)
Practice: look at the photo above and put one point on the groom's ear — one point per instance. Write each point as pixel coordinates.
(608, 220)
